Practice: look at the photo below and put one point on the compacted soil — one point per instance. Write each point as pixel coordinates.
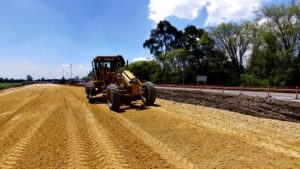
(53, 126)
(267, 107)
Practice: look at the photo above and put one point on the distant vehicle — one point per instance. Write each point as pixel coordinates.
(117, 87)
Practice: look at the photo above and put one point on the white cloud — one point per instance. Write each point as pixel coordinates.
(218, 11)
(140, 59)
(183, 9)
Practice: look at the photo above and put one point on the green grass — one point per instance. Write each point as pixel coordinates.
(4, 85)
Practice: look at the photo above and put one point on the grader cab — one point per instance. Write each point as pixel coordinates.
(117, 86)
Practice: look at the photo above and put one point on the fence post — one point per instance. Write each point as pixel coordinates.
(269, 91)
(296, 92)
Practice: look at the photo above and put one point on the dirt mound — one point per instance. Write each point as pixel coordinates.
(256, 106)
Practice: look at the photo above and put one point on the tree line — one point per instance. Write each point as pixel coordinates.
(263, 52)
(12, 80)
(29, 79)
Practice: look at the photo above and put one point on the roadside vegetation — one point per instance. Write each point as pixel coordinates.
(263, 52)
(5, 85)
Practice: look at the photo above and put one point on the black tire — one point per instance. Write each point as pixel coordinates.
(113, 97)
(149, 95)
(91, 99)
(89, 87)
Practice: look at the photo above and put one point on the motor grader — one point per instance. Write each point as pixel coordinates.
(117, 87)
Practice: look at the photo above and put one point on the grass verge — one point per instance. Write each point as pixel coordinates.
(6, 85)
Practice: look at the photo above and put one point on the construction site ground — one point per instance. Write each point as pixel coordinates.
(265, 107)
(54, 126)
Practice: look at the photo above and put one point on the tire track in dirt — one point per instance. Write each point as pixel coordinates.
(269, 144)
(107, 155)
(31, 118)
(105, 151)
(48, 147)
(178, 160)
(12, 91)
(172, 157)
(14, 113)
(9, 105)
(13, 122)
(10, 158)
(75, 146)
(251, 150)
(217, 145)
(134, 150)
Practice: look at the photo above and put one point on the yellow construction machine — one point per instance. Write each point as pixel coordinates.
(117, 86)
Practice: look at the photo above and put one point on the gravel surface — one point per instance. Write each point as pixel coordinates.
(52, 126)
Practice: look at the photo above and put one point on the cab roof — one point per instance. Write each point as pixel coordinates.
(117, 58)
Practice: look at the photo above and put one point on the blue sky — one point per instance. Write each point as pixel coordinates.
(42, 37)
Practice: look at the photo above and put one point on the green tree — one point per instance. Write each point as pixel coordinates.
(190, 42)
(179, 62)
(209, 53)
(274, 60)
(163, 38)
(283, 20)
(144, 70)
(233, 40)
(29, 78)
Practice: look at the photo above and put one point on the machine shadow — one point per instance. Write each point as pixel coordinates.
(156, 105)
(132, 106)
(124, 107)
(98, 100)
(137, 107)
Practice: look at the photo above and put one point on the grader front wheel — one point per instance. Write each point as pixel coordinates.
(113, 97)
(90, 97)
(149, 95)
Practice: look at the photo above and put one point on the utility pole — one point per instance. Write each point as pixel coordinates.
(71, 70)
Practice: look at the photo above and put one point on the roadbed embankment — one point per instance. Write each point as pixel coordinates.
(267, 107)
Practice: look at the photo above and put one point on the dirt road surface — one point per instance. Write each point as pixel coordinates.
(52, 126)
